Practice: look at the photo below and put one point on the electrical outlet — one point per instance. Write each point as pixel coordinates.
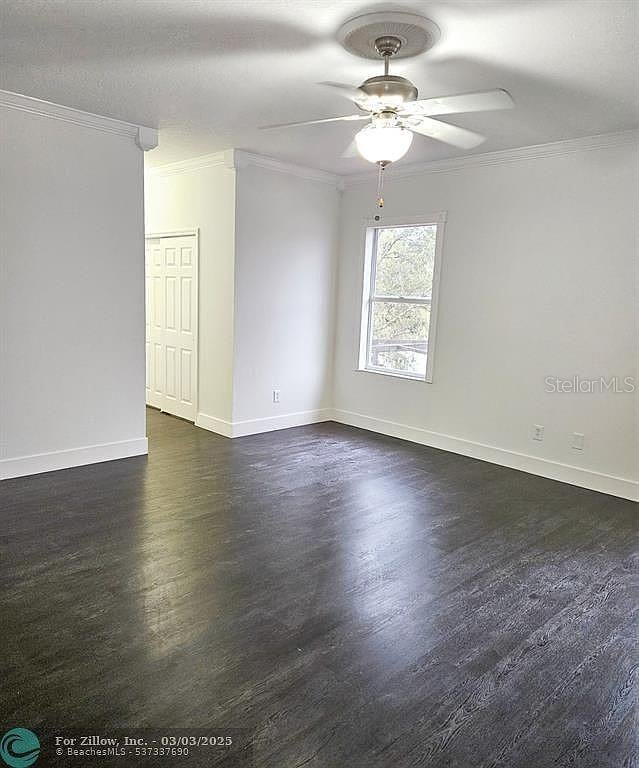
(577, 441)
(276, 395)
(538, 432)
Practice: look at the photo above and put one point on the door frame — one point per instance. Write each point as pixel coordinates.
(190, 232)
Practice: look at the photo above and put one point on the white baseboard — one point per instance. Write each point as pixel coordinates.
(286, 420)
(554, 470)
(266, 424)
(72, 457)
(213, 424)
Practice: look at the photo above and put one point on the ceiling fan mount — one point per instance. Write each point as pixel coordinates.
(361, 34)
(388, 45)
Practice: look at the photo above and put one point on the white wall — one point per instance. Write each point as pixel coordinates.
(539, 279)
(202, 195)
(71, 294)
(286, 227)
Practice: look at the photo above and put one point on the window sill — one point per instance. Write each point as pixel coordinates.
(395, 375)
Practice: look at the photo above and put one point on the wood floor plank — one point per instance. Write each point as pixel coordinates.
(349, 599)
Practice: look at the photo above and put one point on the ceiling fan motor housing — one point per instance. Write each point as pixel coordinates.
(390, 90)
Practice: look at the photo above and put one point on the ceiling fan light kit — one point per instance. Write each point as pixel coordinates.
(383, 141)
(390, 101)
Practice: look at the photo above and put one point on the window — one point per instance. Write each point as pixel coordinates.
(400, 298)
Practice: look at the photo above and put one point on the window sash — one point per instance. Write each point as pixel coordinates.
(368, 365)
(420, 300)
(425, 301)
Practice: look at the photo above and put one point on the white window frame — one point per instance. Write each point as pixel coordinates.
(371, 228)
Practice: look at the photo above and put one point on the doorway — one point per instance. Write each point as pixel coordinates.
(171, 263)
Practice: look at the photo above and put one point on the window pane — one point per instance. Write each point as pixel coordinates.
(399, 337)
(405, 258)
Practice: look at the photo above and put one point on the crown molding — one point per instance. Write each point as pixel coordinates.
(242, 159)
(506, 156)
(194, 164)
(145, 137)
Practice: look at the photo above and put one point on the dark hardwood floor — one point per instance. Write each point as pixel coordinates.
(350, 600)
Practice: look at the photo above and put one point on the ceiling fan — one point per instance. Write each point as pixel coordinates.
(389, 102)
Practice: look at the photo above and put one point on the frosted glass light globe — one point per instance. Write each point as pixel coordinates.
(383, 143)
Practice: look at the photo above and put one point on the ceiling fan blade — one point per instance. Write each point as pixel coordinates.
(315, 122)
(349, 91)
(480, 101)
(449, 134)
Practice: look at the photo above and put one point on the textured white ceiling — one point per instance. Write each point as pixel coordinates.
(209, 72)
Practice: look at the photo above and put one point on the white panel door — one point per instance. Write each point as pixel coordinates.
(171, 324)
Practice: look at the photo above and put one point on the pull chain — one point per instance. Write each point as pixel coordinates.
(380, 185)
